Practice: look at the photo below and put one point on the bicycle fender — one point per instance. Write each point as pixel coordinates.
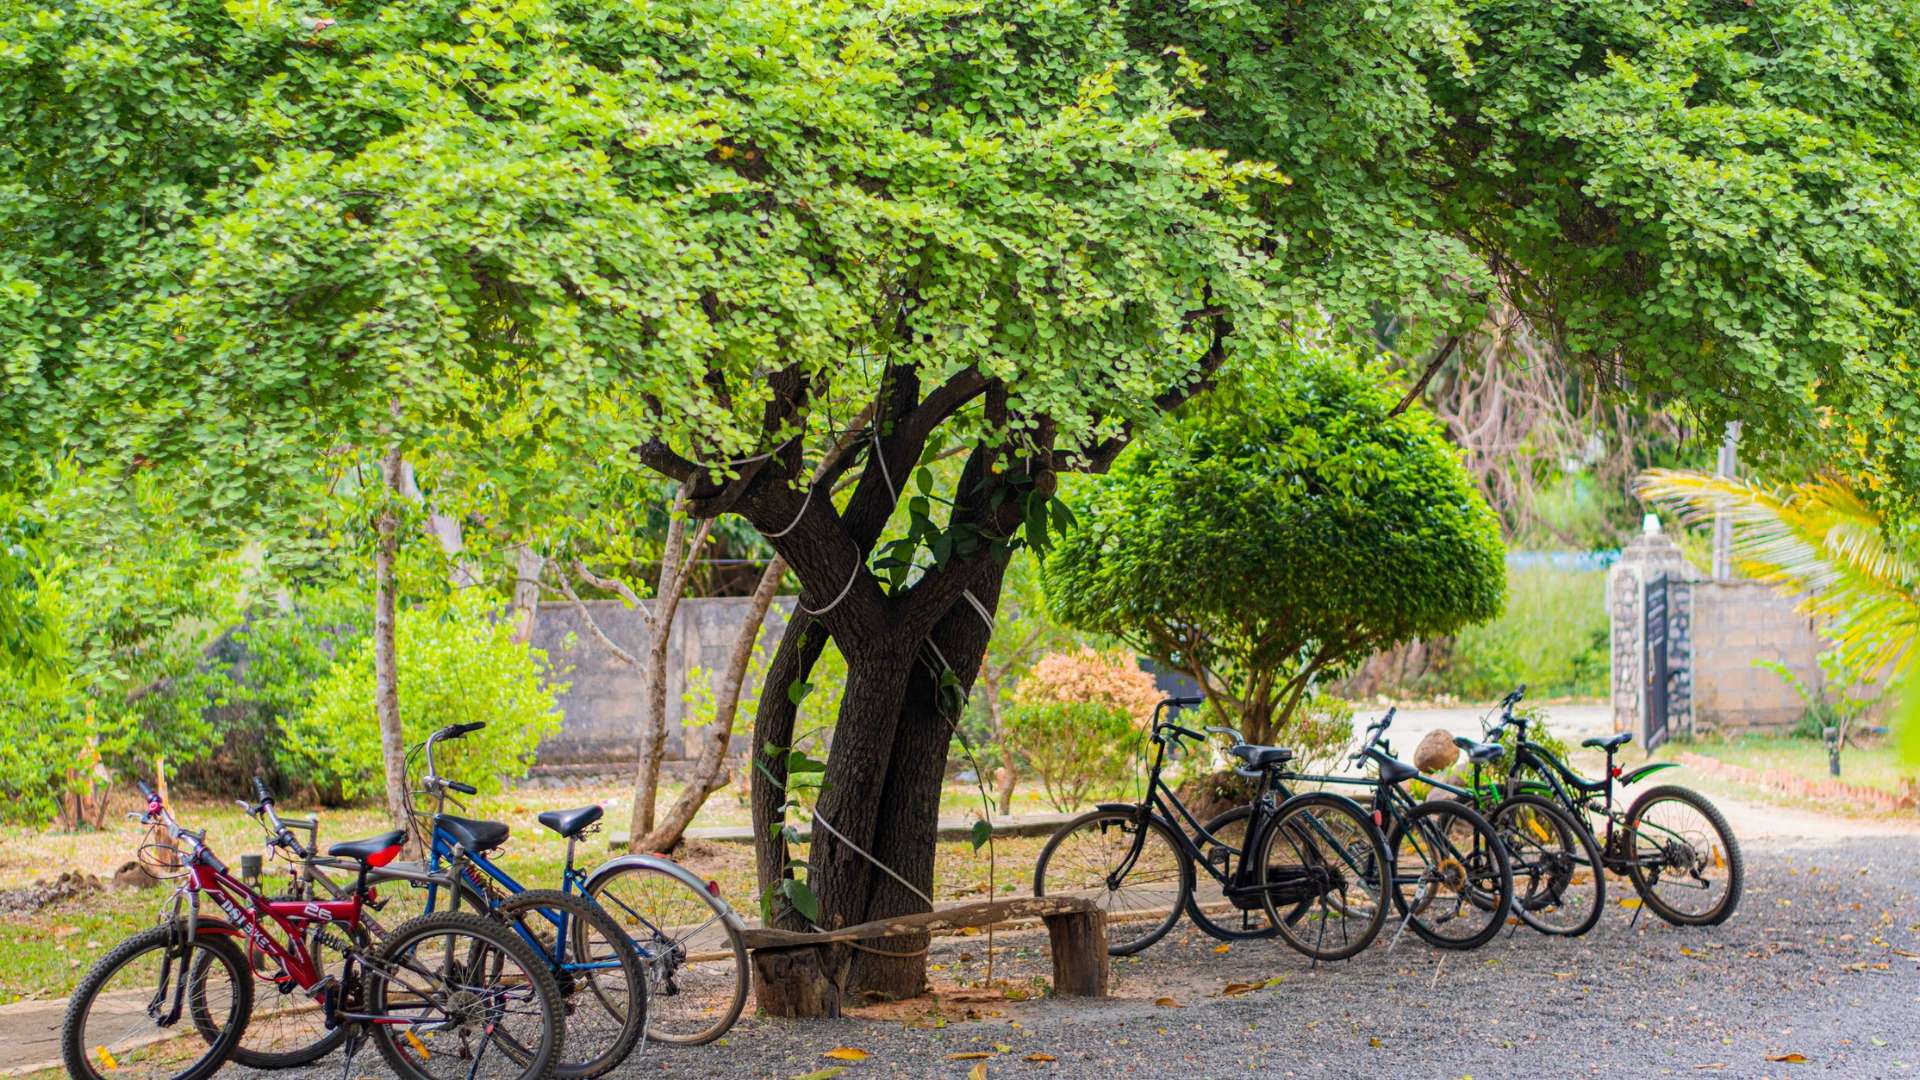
(666, 866)
(1122, 807)
(1644, 771)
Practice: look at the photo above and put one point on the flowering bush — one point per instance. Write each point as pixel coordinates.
(1111, 678)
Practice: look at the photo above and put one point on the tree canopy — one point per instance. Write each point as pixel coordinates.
(1283, 528)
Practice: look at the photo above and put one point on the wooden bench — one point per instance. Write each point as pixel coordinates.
(791, 967)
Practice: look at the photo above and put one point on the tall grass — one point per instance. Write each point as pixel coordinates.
(1552, 636)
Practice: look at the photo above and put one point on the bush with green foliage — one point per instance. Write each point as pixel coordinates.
(458, 663)
(1553, 636)
(1285, 527)
(1076, 748)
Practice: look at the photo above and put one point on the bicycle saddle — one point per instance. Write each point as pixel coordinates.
(570, 822)
(374, 850)
(1262, 757)
(470, 834)
(1611, 742)
(1392, 769)
(1480, 752)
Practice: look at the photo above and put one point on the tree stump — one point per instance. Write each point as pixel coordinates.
(793, 982)
(1079, 943)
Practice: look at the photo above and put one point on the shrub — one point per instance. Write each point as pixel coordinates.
(458, 663)
(1074, 747)
(1111, 678)
(1552, 636)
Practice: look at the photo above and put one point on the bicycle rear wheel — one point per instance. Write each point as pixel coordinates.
(1452, 881)
(1682, 857)
(598, 972)
(686, 940)
(1559, 886)
(1320, 876)
(1093, 857)
(110, 1032)
(463, 999)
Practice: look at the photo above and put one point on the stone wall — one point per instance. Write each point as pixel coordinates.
(602, 705)
(1736, 623)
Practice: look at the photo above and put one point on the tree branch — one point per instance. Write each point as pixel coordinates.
(1420, 385)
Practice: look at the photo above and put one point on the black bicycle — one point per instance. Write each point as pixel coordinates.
(1452, 879)
(1306, 868)
(1558, 885)
(1671, 843)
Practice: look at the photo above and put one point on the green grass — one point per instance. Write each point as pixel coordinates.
(1878, 766)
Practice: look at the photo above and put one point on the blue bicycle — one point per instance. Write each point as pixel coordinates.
(684, 937)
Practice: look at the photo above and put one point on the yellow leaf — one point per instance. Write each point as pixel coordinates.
(1002, 1048)
(106, 1058)
(418, 1046)
(971, 1055)
(1223, 949)
(1374, 1041)
(1630, 903)
(822, 1074)
(1037, 1056)
(1791, 1059)
(1166, 1003)
(847, 1053)
(978, 1072)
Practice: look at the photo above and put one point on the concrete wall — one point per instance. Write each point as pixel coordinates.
(1734, 624)
(602, 705)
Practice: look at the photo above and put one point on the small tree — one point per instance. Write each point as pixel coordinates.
(1283, 529)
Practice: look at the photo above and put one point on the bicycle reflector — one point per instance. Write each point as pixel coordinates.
(713, 887)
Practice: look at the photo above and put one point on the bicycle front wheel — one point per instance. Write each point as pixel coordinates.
(1559, 887)
(461, 997)
(1452, 881)
(1137, 874)
(685, 937)
(288, 1028)
(1683, 859)
(1321, 876)
(134, 1015)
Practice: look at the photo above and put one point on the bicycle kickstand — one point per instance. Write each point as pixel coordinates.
(356, 1038)
(1413, 907)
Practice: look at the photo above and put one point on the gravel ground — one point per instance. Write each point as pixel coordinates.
(1821, 961)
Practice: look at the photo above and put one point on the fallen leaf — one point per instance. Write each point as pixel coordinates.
(1002, 1048)
(1166, 1003)
(1711, 1066)
(1791, 1059)
(1223, 949)
(1630, 903)
(1036, 1056)
(978, 1072)
(971, 1055)
(822, 1074)
(1375, 1040)
(847, 1053)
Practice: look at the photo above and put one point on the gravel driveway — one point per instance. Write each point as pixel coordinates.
(1822, 961)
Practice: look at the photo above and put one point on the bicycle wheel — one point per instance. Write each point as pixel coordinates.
(690, 947)
(1092, 857)
(598, 973)
(1559, 886)
(287, 1028)
(465, 999)
(111, 1032)
(1682, 857)
(1241, 918)
(1320, 876)
(1452, 882)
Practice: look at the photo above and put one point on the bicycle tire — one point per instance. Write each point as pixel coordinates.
(1222, 823)
(322, 1044)
(1528, 907)
(1319, 862)
(718, 965)
(1488, 855)
(1101, 821)
(590, 1053)
(540, 1059)
(1730, 850)
(75, 1036)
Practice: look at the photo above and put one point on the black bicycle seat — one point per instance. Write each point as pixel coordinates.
(374, 850)
(1263, 757)
(1480, 752)
(570, 822)
(1611, 742)
(1392, 769)
(473, 835)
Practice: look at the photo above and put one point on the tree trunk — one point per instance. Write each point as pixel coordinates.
(709, 773)
(653, 675)
(386, 670)
(528, 565)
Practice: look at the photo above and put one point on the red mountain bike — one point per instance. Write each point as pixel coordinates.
(445, 995)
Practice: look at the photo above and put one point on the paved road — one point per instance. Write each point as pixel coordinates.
(1819, 962)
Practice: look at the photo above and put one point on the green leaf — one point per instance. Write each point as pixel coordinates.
(981, 833)
(800, 895)
(797, 691)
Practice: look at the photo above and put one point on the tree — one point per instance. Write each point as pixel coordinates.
(1329, 529)
(698, 238)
